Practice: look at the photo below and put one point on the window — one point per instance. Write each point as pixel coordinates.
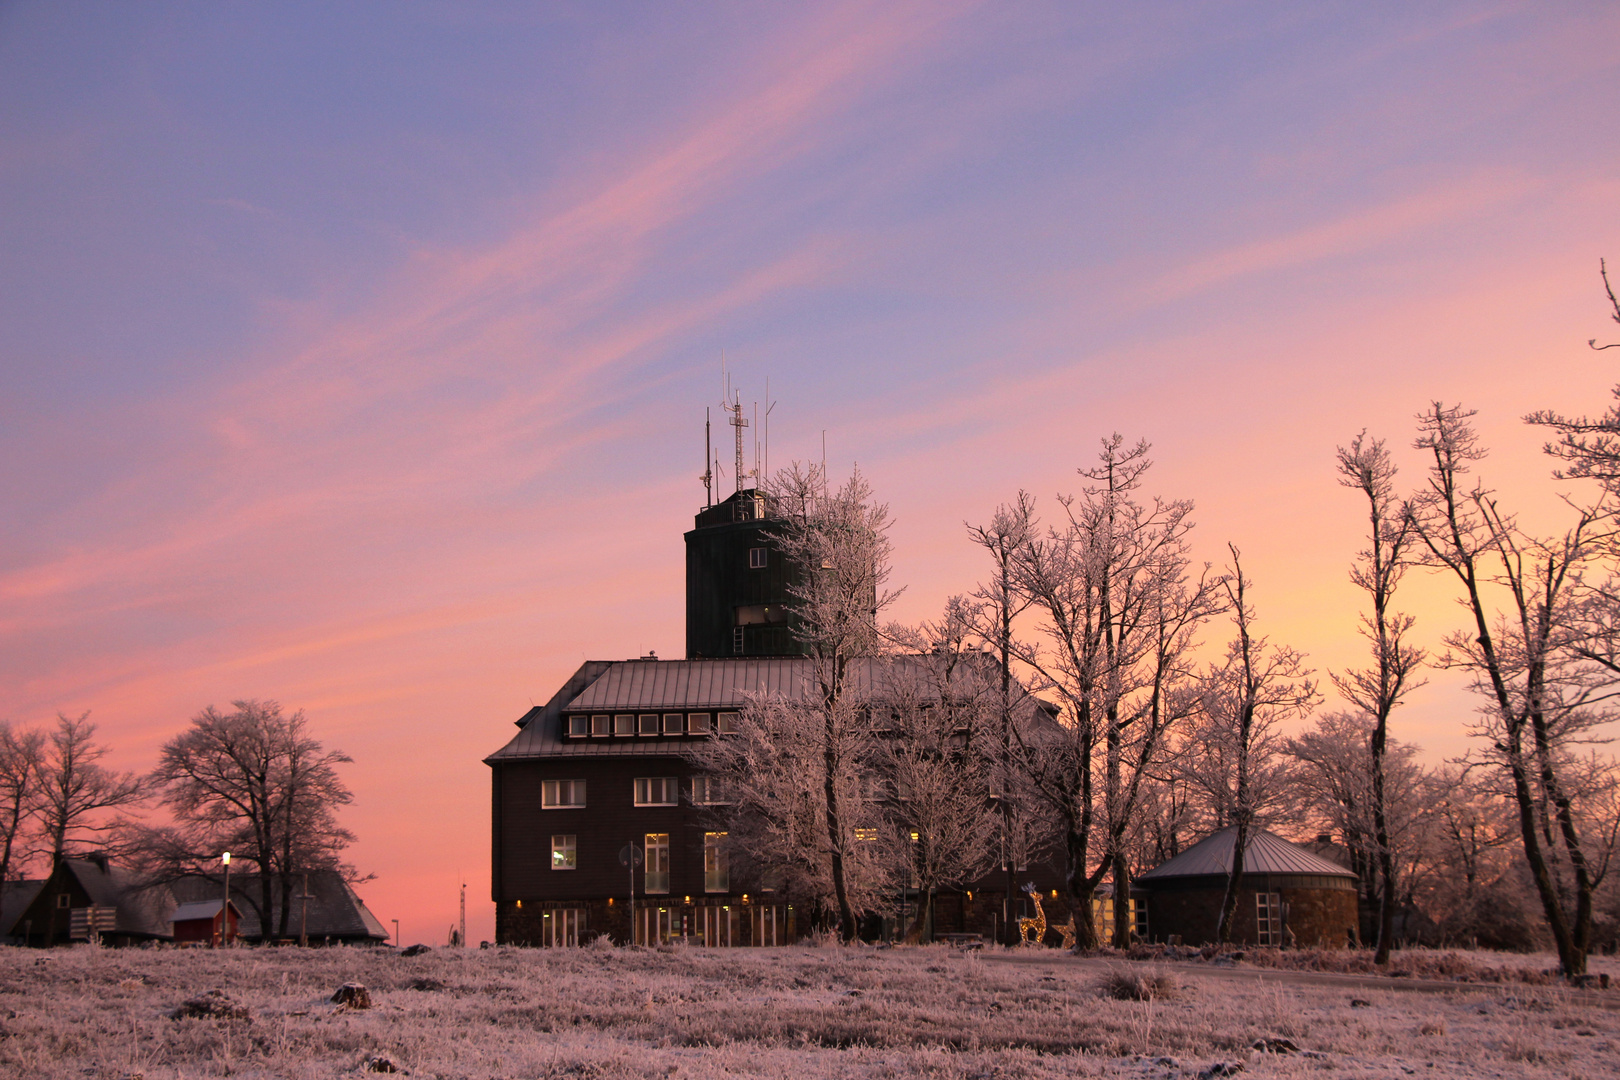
(718, 927)
(697, 723)
(578, 725)
(866, 834)
(737, 640)
(674, 723)
(657, 848)
(63, 900)
(560, 927)
(726, 723)
(716, 873)
(1268, 918)
(563, 852)
(708, 791)
(648, 723)
(654, 925)
(756, 558)
(656, 791)
(600, 725)
(624, 724)
(559, 794)
(766, 925)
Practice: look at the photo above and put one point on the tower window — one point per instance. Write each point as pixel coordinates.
(756, 558)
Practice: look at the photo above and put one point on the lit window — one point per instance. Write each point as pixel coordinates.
(563, 852)
(697, 723)
(657, 849)
(600, 725)
(716, 875)
(578, 725)
(656, 791)
(560, 927)
(756, 558)
(708, 791)
(560, 794)
(726, 723)
(674, 723)
(648, 723)
(866, 834)
(624, 724)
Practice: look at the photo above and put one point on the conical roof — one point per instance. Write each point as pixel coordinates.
(1265, 853)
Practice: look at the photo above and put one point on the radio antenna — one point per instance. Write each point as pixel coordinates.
(708, 472)
(739, 422)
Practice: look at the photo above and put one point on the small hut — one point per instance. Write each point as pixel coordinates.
(205, 920)
(1287, 895)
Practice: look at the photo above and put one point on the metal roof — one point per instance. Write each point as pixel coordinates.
(334, 909)
(197, 909)
(1265, 853)
(697, 684)
(630, 686)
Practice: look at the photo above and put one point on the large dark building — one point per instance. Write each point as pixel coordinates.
(600, 822)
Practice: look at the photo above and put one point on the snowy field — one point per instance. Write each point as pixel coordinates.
(794, 1014)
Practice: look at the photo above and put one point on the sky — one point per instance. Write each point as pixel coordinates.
(357, 356)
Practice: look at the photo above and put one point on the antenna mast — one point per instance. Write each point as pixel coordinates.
(708, 470)
(739, 422)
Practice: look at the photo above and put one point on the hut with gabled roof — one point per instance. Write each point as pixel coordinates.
(1287, 895)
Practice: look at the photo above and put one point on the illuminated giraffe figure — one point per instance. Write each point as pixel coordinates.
(1031, 931)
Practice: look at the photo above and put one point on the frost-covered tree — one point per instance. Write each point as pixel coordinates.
(1118, 605)
(1528, 653)
(1366, 466)
(254, 782)
(937, 754)
(799, 770)
(21, 758)
(1244, 701)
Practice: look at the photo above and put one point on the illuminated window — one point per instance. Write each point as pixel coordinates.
(656, 791)
(563, 852)
(657, 849)
(716, 874)
(562, 794)
(866, 834)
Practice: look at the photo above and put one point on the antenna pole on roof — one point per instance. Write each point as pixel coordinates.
(734, 407)
(708, 473)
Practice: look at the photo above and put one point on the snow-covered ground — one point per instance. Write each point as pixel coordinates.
(798, 1013)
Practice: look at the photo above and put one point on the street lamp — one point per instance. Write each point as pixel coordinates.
(225, 908)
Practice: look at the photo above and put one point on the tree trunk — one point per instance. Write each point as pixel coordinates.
(1229, 902)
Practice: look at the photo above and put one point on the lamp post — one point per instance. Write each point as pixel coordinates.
(225, 908)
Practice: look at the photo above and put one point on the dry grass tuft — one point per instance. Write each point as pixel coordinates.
(1140, 984)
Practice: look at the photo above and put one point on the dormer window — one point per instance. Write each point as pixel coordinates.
(578, 725)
